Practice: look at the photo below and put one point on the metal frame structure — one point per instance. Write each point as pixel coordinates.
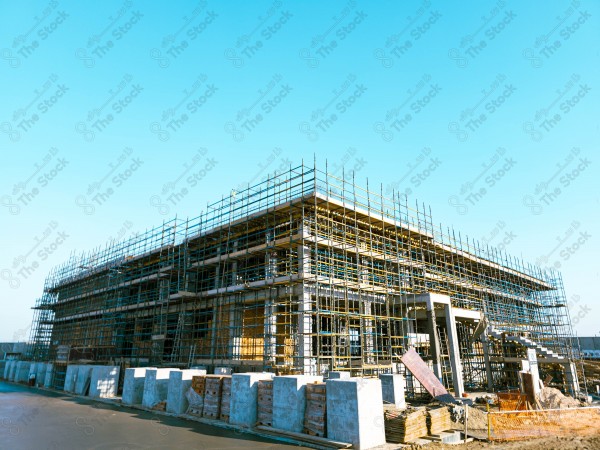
(302, 273)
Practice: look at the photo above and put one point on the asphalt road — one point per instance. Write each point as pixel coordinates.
(36, 419)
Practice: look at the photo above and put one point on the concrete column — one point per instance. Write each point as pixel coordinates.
(270, 330)
(289, 401)
(533, 369)
(434, 343)
(355, 412)
(572, 380)
(486, 361)
(49, 376)
(304, 259)
(393, 389)
(304, 338)
(457, 373)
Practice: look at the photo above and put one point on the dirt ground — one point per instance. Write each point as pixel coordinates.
(553, 443)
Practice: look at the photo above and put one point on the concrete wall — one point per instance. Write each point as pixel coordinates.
(104, 381)
(244, 397)
(156, 386)
(133, 385)
(179, 383)
(355, 412)
(289, 401)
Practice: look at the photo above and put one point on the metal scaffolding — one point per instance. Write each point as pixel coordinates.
(302, 273)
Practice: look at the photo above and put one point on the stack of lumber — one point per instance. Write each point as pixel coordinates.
(438, 420)
(265, 403)
(315, 419)
(212, 397)
(405, 426)
(225, 399)
(197, 401)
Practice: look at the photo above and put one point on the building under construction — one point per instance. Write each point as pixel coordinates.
(301, 274)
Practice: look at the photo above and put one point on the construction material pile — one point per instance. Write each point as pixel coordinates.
(265, 403)
(550, 398)
(212, 397)
(438, 420)
(225, 399)
(315, 422)
(405, 426)
(195, 395)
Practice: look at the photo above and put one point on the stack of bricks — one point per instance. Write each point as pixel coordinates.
(198, 386)
(212, 397)
(265, 403)
(315, 419)
(225, 399)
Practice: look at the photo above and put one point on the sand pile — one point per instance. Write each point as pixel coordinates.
(551, 398)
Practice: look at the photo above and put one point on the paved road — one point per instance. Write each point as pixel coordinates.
(37, 419)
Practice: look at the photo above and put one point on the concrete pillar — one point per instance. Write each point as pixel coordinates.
(457, 373)
(244, 398)
(434, 342)
(355, 412)
(270, 331)
(104, 381)
(156, 386)
(289, 401)
(368, 335)
(179, 383)
(305, 325)
(393, 388)
(133, 385)
(572, 380)
(486, 361)
(533, 369)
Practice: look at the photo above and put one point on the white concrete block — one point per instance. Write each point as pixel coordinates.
(338, 375)
(393, 387)
(244, 397)
(289, 401)
(156, 386)
(104, 381)
(179, 383)
(355, 412)
(222, 371)
(133, 385)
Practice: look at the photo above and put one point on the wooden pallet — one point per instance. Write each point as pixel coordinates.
(265, 403)
(315, 422)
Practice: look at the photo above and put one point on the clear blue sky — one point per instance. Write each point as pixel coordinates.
(487, 111)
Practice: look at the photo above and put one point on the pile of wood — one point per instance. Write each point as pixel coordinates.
(212, 397)
(199, 384)
(438, 420)
(265, 403)
(225, 399)
(315, 419)
(405, 426)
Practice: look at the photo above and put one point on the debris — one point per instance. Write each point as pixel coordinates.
(551, 398)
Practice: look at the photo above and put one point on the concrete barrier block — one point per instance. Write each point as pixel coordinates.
(71, 377)
(133, 385)
(222, 371)
(338, 375)
(179, 383)
(48, 378)
(82, 382)
(392, 389)
(22, 375)
(104, 381)
(355, 412)
(13, 371)
(244, 397)
(156, 386)
(289, 401)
